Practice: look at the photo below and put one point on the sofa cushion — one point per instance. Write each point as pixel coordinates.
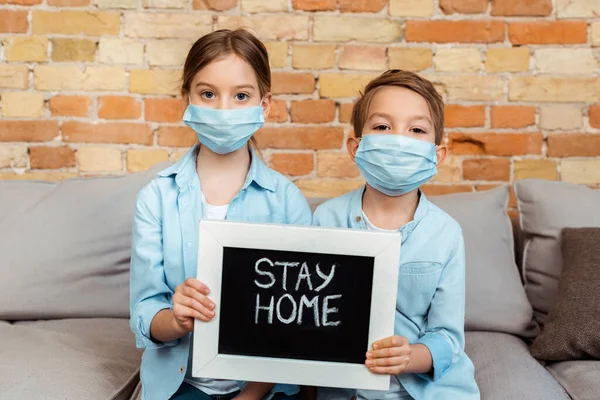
(68, 359)
(66, 247)
(581, 379)
(495, 298)
(505, 370)
(572, 329)
(546, 208)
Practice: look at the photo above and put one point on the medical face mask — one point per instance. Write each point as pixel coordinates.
(224, 131)
(395, 164)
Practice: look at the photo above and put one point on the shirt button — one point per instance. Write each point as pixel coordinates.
(181, 369)
(358, 219)
(189, 244)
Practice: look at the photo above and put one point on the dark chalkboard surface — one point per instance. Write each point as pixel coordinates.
(296, 305)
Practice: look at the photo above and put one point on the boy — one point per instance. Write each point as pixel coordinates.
(398, 124)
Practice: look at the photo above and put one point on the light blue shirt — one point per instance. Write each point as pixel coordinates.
(165, 253)
(430, 305)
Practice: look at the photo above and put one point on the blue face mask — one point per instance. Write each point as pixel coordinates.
(224, 131)
(395, 164)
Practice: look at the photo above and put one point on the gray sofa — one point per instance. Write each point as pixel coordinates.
(64, 288)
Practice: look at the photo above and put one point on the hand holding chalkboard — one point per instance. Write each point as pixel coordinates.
(190, 301)
(389, 356)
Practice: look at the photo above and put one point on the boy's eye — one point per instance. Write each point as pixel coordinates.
(381, 127)
(208, 94)
(241, 96)
(418, 130)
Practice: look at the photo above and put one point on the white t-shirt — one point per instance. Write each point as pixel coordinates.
(396, 389)
(212, 387)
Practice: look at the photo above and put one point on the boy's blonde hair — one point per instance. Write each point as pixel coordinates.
(406, 79)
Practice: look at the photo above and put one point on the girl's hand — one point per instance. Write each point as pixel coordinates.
(190, 301)
(389, 356)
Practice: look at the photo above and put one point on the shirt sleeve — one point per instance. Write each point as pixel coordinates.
(445, 335)
(298, 210)
(149, 292)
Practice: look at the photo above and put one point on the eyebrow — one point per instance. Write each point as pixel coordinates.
(244, 86)
(389, 117)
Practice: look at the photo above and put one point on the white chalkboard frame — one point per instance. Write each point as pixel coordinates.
(214, 235)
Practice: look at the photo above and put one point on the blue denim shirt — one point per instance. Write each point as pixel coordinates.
(430, 305)
(165, 253)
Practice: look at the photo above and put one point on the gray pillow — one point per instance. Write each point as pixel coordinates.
(495, 297)
(546, 208)
(66, 246)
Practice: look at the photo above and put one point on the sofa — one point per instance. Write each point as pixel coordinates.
(65, 287)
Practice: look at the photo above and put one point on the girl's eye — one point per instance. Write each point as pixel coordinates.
(418, 130)
(381, 127)
(208, 94)
(241, 96)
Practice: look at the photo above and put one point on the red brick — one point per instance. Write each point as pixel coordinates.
(119, 107)
(278, 111)
(215, 5)
(574, 145)
(70, 106)
(512, 198)
(293, 164)
(371, 58)
(336, 165)
(346, 112)
(362, 5)
(463, 6)
(24, 2)
(124, 133)
(521, 8)
(464, 116)
(13, 21)
(69, 3)
(470, 31)
(594, 116)
(441, 190)
(163, 110)
(314, 5)
(302, 138)
(51, 157)
(496, 144)
(176, 136)
(486, 169)
(313, 111)
(28, 131)
(512, 116)
(548, 32)
(286, 82)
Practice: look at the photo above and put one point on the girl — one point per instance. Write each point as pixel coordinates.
(226, 85)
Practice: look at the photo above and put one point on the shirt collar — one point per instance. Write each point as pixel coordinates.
(357, 220)
(184, 171)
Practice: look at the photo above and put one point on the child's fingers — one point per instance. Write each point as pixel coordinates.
(389, 352)
(184, 311)
(196, 305)
(199, 297)
(392, 341)
(387, 370)
(387, 362)
(196, 284)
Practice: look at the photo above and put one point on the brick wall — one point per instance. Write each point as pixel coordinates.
(89, 87)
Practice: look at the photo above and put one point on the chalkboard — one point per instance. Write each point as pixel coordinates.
(295, 305)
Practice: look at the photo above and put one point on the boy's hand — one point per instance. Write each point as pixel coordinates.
(191, 301)
(389, 356)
